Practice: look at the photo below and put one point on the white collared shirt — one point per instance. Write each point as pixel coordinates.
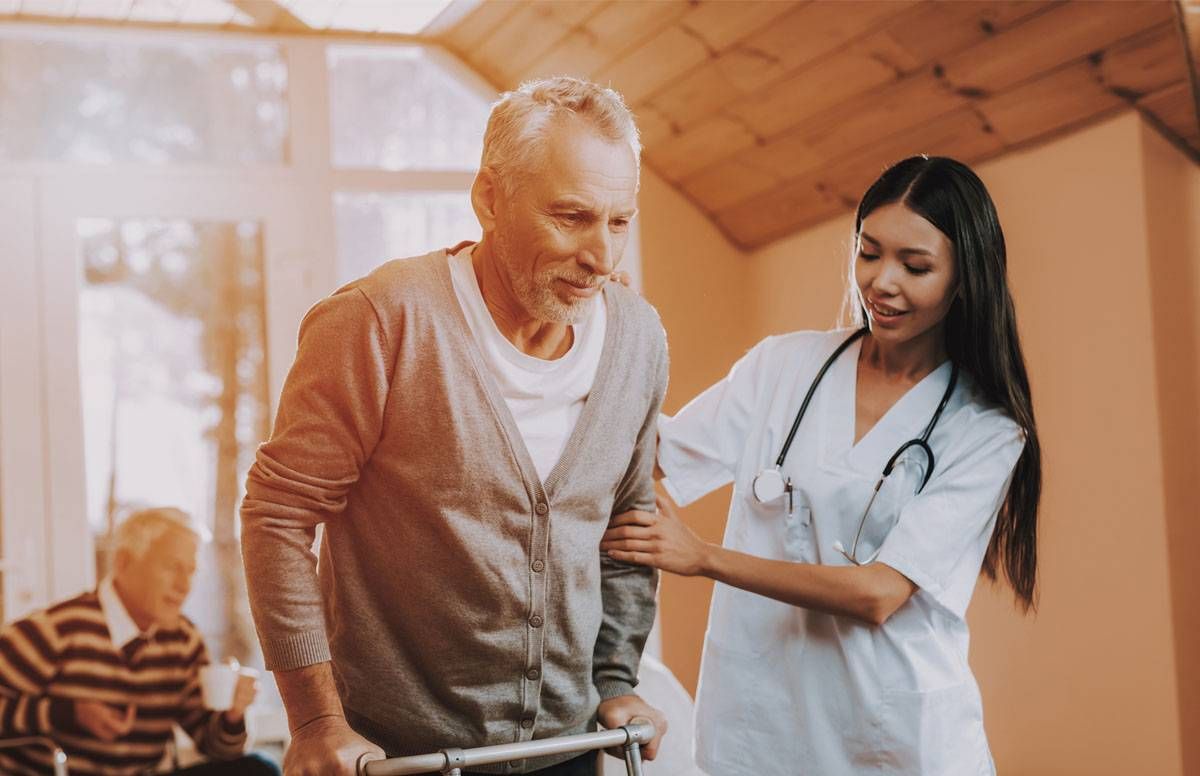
(121, 626)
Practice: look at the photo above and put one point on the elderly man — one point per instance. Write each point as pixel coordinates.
(106, 674)
(464, 424)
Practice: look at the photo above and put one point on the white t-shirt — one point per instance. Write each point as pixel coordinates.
(544, 397)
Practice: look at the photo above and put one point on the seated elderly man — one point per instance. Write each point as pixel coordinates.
(106, 674)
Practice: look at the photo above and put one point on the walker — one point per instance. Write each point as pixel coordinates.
(451, 762)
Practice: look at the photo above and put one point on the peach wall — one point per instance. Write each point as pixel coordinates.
(1088, 686)
(1172, 203)
(1103, 248)
(697, 280)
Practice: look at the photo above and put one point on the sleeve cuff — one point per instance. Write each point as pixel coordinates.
(673, 491)
(914, 573)
(675, 485)
(233, 729)
(614, 688)
(296, 651)
(60, 714)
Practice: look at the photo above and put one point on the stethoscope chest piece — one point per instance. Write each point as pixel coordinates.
(768, 485)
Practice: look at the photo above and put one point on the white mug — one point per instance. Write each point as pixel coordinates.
(218, 682)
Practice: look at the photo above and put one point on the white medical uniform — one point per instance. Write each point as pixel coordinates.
(786, 690)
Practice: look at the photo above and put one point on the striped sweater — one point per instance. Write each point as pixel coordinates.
(65, 653)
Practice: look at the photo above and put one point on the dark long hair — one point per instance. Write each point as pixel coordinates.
(981, 335)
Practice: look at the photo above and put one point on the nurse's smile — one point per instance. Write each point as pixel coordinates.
(905, 273)
(882, 313)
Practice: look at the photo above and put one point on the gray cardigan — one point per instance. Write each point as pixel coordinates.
(462, 601)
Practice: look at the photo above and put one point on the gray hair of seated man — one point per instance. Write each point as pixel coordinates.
(141, 529)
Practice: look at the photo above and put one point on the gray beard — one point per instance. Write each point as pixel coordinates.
(536, 294)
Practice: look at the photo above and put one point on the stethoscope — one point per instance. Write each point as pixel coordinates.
(769, 484)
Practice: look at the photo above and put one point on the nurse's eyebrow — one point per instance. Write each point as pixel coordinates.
(902, 251)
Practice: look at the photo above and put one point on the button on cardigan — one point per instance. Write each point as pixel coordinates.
(463, 601)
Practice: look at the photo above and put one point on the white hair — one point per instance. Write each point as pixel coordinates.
(144, 527)
(521, 118)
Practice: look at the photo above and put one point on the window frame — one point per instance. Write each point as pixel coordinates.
(42, 485)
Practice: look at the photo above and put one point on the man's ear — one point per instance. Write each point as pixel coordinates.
(121, 560)
(485, 195)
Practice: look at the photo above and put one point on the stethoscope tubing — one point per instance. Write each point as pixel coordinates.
(787, 444)
(922, 442)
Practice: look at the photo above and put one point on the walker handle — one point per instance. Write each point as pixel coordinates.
(449, 761)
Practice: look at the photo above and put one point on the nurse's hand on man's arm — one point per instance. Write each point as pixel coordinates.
(870, 593)
(624, 709)
(657, 539)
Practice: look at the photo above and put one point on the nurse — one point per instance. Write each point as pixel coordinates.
(837, 639)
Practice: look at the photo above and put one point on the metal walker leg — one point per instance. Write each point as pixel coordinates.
(455, 760)
(633, 759)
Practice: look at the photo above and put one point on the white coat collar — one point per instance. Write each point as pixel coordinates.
(905, 420)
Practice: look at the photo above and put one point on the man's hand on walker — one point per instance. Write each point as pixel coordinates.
(623, 709)
(327, 746)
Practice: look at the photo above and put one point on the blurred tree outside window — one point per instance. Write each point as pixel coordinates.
(377, 226)
(174, 388)
(172, 320)
(98, 102)
(401, 109)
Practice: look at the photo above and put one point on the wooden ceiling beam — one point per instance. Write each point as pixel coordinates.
(527, 34)
(270, 15)
(670, 54)
(835, 187)
(1173, 110)
(896, 105)
(1064, 97)
(1063, 34)
(615, 30)
(475, 27)
(1187, 14)
(806, 34)
(231, 29)
(881, 55)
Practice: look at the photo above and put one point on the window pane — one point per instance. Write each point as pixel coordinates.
(105, 101)
(174, 386)
(373, 228)
(398, 109)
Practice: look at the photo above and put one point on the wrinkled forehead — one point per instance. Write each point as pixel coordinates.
(175, 544)
(576, 161)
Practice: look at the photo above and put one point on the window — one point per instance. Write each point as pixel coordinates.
(373, 228)
(98, 101)
(400, 109)
(174, 388)
(404, 114)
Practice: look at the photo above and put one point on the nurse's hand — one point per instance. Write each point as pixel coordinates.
(656, 539)
(624, 709)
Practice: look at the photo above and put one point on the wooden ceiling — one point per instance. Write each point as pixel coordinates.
(772, 116)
